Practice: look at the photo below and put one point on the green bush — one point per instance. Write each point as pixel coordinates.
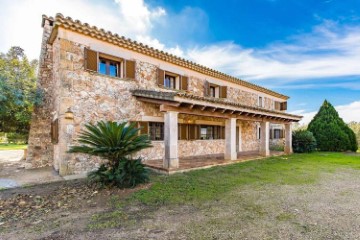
(17, 137)
(115, 142)
(129, 173)
(303, 141)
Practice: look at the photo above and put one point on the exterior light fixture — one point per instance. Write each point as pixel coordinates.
(69, 114)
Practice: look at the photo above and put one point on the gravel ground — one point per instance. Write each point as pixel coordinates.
(328, 209)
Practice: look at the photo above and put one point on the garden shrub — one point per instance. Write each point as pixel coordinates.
(115, 142)
(303, 141)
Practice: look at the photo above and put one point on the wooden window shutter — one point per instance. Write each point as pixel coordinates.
(271, 133)
(144, 127)
(222, 132)
(206, 88)
(277, 105)
(283, 106)
(55, 131)
(192, 132)
(184, 83)
(223, 91)
(183, 131)
(130, 69)
(161, 76)
(91, 60)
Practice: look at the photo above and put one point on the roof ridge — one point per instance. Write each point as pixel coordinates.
(100, 33)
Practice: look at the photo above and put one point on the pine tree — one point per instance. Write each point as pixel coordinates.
(331, 132)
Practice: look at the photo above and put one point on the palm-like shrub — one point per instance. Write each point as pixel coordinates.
(114, 142)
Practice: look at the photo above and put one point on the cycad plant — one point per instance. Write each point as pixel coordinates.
(114, 142)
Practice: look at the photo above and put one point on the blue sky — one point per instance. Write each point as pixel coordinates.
(308, 49)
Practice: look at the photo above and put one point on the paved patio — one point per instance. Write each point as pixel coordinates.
(189, 164)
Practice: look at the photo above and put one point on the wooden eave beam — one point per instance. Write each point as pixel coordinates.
(159, 101)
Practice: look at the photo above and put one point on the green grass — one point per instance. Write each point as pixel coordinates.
(12, 146)
(209, 188)
(211, 184)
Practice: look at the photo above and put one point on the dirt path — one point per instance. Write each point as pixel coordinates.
(13, 173)
(325, 210)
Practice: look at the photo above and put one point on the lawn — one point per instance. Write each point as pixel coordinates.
(302, 196)
(12, 146)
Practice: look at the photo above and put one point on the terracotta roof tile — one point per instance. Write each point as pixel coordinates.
(93, 31)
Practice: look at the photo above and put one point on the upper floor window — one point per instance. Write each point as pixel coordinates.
(261, 101)
(109, 67)
(215, 91)
(172, 80)
(212, 91)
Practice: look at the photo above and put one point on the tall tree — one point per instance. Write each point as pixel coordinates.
(331, 132)
(355, 126)
(18, 92)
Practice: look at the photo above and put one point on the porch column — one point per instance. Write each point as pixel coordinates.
(230, 139)
(264, 139)
(171, 159)
(288, 139)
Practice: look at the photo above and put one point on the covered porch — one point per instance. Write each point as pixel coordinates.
(233, 115)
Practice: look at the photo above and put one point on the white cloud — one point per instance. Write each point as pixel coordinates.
(349, 112)
(20, 20)
(328, 51)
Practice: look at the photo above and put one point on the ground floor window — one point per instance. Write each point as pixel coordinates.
(210, 132)
(277, 133)
(156, 131)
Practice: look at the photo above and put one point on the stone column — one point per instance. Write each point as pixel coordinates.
(288, 139)
(230, 139)
(171, 159)
(264, 139)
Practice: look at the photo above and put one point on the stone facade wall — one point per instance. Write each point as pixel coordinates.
(249, 142)
(93, 97)
(40, 149)
(200, 147)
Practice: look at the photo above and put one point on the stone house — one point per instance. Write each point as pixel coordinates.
(188, 110)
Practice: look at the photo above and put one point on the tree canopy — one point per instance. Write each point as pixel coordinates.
(331, 132)
(18, 92)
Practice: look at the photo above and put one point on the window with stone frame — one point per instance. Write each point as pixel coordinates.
(277, 133)
(209, 132)
(261, 101)
(156, 131)
(109, 67)
(258, 133)
(171, 81)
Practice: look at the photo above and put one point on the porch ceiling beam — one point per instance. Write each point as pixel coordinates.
(191, 106)
(203, 108)
(214, 109)
(199, 112)
(159, 101)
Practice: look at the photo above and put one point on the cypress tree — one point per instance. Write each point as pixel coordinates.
(331, 132)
